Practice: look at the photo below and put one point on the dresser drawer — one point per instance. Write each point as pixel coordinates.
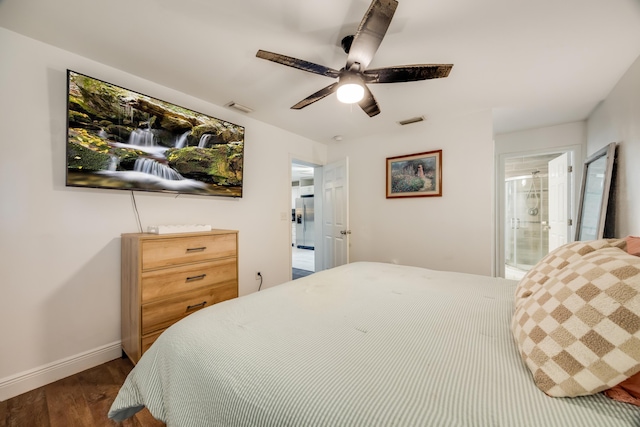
(163, 313)
(170, 251)
(166, 282)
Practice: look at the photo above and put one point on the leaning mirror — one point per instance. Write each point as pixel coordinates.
(594, 197)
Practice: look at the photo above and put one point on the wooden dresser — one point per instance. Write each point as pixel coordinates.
(167, 277)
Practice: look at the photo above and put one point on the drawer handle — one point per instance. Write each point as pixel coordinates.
(194, 278)
(192, 307)
(189, 250)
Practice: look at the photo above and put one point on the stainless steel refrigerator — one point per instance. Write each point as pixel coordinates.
(305, 232)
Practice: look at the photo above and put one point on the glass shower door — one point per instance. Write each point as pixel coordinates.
(524, 232)
(511, 224)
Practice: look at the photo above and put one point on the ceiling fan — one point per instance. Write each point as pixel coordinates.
(351, 86)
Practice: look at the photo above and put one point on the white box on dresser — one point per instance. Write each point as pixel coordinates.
(166, 277)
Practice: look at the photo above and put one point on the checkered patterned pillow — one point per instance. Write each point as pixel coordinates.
(579, 333)
(556, 260)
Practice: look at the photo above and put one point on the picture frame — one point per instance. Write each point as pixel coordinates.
(415, 175)
(594, 197)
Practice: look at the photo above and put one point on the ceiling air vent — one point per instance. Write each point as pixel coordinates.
(239, 107)
(410, 121)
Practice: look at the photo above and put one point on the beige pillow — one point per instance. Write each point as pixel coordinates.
(558, 259)
(579, 333)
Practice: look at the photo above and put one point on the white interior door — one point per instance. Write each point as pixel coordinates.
(558, 201)
(335, 207)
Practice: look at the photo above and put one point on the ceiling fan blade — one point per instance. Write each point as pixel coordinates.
(407, 73)
(368, 103)
(322, 93)
(370, 33)
(298, 63)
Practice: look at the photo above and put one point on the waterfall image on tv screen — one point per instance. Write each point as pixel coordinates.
(121, 139)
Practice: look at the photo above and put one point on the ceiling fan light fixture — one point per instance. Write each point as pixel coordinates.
(350, 89)
(350, 93)
(354, 78)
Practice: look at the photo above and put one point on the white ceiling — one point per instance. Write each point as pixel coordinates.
(533, 63)
(300, 171)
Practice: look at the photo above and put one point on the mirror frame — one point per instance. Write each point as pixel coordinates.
(610, 153)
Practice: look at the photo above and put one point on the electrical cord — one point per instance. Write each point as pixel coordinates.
(135, 209)
(260, 275)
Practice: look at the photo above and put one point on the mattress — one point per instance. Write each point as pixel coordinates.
(364, 344)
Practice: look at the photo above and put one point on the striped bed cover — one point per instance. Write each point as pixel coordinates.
(365, 344)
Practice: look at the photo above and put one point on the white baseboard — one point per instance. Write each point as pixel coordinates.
(29, 380)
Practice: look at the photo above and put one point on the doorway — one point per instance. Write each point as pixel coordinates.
(535, 198)
(303, 219)
(328, 245)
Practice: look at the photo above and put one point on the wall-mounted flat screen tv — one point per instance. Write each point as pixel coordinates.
(121, 139)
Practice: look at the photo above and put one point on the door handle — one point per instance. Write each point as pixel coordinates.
(191, 250)
(345, 232)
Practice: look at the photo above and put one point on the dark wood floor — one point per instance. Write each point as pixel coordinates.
(80, 400)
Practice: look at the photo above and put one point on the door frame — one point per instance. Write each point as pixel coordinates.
(575, 160)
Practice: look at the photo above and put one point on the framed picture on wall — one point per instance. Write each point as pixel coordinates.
(415, 175)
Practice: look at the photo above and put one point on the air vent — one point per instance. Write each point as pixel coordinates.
(239, 107)
(410, 121)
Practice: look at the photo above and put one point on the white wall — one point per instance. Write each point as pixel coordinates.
(60, 247)
(617, 119)
(541, 140)
(452, 232)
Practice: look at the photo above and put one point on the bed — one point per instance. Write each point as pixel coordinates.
(364, 344)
